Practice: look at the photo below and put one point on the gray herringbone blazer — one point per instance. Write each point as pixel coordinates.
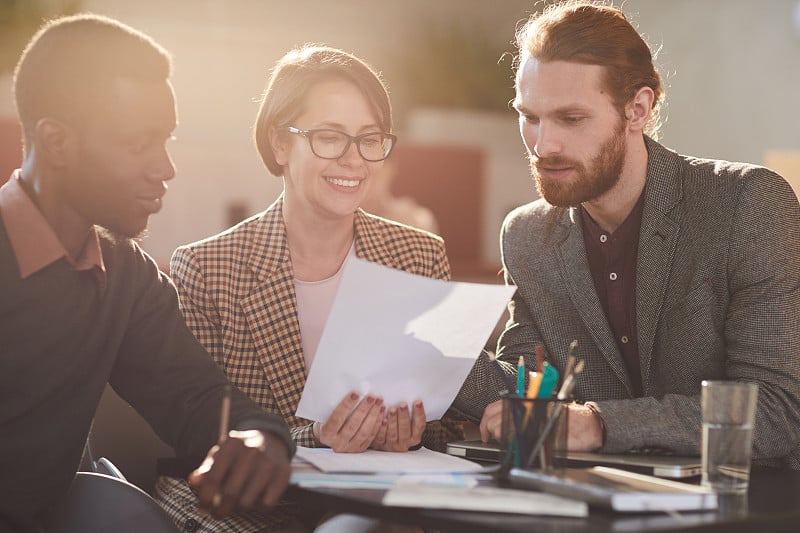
(718, 297)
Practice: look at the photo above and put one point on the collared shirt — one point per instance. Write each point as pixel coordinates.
(34, 242)
(612, 261)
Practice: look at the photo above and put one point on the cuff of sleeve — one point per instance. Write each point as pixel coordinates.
(304, 436)
(273, 428)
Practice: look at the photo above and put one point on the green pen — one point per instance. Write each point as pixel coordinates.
(549, 380)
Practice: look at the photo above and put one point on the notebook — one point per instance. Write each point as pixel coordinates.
(485, 499)
(670, 466)
(617, 489)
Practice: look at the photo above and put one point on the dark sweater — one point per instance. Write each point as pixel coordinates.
(61, 340)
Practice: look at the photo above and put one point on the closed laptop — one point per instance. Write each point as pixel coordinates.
(660, 465)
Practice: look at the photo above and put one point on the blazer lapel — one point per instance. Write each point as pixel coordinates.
(658, 239)
(577, 277)
(271, 304)
(370, 244)
(271, 312)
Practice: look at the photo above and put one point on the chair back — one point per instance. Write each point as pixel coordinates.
(98, 503)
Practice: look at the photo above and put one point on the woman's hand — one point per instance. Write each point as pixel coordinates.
(399, 432)
(353, 424)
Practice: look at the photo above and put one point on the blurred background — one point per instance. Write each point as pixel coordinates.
(731, 70)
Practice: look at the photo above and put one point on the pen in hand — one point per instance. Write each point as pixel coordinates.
(224, 423)
(224, 415)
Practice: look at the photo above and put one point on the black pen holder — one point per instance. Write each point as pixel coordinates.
(534, 433)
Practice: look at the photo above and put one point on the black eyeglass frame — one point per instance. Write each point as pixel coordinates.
(350, 140)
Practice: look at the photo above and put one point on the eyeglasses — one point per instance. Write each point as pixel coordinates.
(333, 144)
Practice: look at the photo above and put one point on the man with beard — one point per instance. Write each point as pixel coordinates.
(667, 269)
(81, 304)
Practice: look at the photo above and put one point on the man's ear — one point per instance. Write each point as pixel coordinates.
(280, 146)
(638, 110)
(55, 141)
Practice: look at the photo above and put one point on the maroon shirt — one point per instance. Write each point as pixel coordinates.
(612, 261)
(34, 242)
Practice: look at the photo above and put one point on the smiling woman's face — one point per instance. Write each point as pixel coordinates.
(328, 188)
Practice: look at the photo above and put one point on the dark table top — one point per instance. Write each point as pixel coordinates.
(772, 504)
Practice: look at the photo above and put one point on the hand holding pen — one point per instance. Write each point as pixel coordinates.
(245, 470)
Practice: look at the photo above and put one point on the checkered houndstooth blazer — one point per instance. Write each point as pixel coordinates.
(718, 297)
(237, 295)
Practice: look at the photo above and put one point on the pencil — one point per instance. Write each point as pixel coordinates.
(225, 414)
(571, 359)
(534, 381)
(521, 377)
(539, 358)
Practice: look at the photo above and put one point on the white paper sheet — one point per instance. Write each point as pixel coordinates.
(382, 481)
(422, 461)
(400, 336)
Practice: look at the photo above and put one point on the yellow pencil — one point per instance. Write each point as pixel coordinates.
(533, 384)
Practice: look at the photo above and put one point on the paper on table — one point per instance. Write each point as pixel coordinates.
(343, 481)
(400, 336)
(483, 498)
(422, 461)
(379, 481)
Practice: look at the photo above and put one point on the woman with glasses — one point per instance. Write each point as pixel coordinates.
(258, 295)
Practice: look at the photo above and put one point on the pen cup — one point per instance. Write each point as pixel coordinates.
(533, 433)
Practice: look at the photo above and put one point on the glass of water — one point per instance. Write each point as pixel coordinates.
(729, 410)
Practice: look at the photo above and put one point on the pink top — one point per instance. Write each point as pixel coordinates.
(314, 302)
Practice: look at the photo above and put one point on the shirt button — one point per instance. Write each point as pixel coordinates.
(612, 276)
(624, 339)
(191, 525)
(603, 238)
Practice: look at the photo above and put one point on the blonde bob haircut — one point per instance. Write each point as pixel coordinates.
(290, 82)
